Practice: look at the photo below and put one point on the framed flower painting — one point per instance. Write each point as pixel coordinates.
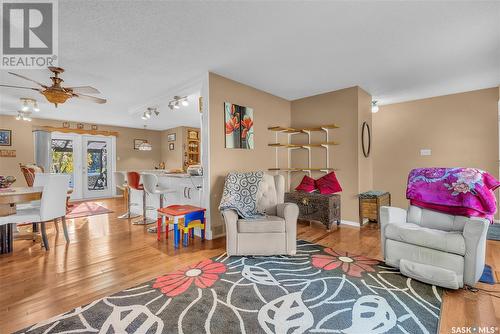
(239, 127)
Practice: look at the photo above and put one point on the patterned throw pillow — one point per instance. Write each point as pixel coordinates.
(328, 184)
(307, 185)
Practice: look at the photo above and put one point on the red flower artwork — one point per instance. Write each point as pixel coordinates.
(247, 124)
(232, 124)
(351, 265)
(203, 274)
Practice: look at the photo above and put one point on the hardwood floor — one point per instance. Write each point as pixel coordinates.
(107, 255)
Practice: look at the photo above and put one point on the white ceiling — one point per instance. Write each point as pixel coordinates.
(140, 53)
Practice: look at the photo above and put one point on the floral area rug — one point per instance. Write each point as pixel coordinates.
(317, 291)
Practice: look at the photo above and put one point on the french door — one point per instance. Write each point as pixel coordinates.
(88, 159)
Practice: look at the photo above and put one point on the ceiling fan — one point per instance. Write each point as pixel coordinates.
(56, 93)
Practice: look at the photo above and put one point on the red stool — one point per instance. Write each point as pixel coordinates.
(133, 182)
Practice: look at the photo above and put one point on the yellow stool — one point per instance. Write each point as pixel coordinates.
(188, 229)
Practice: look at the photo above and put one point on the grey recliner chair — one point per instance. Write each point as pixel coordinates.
(274, 234)
(433, 247)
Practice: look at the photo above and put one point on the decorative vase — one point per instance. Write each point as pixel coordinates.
(6, 181)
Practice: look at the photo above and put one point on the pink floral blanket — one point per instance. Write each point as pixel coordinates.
(457, 191)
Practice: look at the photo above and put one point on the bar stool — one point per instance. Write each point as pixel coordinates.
(151, 187)
(121, 184)
(133, 179)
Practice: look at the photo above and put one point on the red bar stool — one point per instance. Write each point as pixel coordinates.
(133, 182)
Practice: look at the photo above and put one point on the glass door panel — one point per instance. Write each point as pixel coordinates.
(97, 166)
(65, 159)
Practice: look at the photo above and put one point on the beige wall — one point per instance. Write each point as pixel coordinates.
(127, 157)
(175, 159)
(172, 159)
(365, 165)
(460, 129)
(348, 108)
(268, 110)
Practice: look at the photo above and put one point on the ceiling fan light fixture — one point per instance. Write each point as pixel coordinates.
(35, 107)
(374, 107)
(176, 105)
(185, 102)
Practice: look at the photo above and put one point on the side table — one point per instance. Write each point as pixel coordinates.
(370, 203)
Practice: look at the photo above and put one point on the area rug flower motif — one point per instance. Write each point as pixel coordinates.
(317, 291)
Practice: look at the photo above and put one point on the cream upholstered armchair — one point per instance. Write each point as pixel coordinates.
(434, 247)
(273, 234)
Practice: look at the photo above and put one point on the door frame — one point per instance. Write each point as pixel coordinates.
(79, 167)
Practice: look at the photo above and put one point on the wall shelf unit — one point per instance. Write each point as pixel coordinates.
(308, 146)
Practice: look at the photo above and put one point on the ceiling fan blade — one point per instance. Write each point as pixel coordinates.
(90, 98)
(26, 78)
(83, 89)
(9, 86)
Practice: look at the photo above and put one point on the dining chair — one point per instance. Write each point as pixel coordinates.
(52, 205)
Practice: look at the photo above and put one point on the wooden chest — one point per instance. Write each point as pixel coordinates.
(370, 203)
(316, 207)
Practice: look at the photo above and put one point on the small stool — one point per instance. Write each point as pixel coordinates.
(176, 214)
(192, 221)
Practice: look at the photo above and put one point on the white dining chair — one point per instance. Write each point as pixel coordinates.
(52, 205)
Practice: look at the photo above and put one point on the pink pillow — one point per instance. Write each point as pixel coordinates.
(328, 184)
(307, 184)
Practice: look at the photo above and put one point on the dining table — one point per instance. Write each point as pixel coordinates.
(9, 199)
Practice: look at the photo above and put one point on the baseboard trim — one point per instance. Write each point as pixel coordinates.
(350, 223)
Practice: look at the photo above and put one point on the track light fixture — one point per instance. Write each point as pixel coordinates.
(177, 101)
(147, 114)
(23, 115)
(28, 103)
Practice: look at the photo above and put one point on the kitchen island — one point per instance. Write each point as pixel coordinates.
(188, 190)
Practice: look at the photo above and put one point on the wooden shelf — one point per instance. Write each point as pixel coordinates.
(307, 131)
(303, 130)
(330, 143)
(79, 131)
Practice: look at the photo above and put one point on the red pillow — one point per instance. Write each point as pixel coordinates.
(328, 184)
(307, 184)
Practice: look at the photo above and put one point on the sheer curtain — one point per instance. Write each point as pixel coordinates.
(42, 140)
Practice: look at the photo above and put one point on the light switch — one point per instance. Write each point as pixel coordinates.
(425, 152)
